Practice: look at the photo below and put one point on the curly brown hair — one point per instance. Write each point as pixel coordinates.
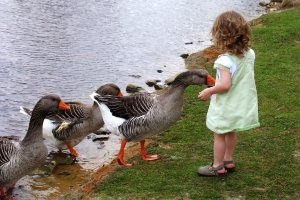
(231, 33)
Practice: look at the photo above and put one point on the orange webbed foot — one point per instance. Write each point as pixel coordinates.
(123, 163)
(121, 155)
(149, 157)
(72, 150)
(144, 155)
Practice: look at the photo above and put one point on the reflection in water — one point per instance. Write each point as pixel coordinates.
(72, 47)
(39, 185)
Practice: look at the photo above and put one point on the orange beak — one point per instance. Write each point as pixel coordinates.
(120, 94)
(210, 81)
(63, 106)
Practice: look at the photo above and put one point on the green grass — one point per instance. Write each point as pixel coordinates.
(267, 165)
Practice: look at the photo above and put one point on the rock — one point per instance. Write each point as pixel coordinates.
(48, 167)
(54, 159)
(61, 158)
(159, 71)
(101, 131)
(131, 88)
(264, 2)
(195, 60)
(135, 76)
(200, 59)
(184, 55)
(99, 138)
(45, 170)
(152, 82)
(159, 87)
(170, 80)
(256, 22)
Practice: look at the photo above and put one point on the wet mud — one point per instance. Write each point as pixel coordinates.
(63, 175)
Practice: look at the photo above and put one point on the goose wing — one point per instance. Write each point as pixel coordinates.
(62, 123)
(68, 121)
(7, 149)
(76, 111)
(128, 106)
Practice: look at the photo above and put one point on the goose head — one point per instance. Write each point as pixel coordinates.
(109, 89)
(50, 103)
(194, 77)
(45, 106)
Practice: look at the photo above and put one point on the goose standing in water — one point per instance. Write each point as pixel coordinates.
(66, 129)
(139, 116)
(17, 161)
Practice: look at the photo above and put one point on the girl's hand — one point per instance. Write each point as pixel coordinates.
(205, 94)
(223, 85)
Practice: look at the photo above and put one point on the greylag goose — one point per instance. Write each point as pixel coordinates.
(139, 116)
(66, 129)
(17, 160)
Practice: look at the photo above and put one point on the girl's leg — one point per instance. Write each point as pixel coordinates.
(230, 140)
(219, 149)
(217, 168)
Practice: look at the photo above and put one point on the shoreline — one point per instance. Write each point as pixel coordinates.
(199, 59)
(205, 57)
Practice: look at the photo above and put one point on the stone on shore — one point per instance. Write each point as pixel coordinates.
(202, 58)
(159, 87)
(131, 88)
(152, 82)
(264, 2)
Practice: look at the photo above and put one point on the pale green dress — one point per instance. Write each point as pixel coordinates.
(237, 109)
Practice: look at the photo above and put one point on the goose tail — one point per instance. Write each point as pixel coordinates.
(25, 111)
(110, 122)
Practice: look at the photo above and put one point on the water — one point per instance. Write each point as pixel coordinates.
(72, 47)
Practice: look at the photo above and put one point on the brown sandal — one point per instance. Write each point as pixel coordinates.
(229, 165)
(209, 170)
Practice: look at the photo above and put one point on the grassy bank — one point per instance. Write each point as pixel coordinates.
(268, 158)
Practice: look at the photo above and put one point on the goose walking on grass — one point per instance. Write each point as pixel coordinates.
(17, 161)
(142, 115)
(66, 129)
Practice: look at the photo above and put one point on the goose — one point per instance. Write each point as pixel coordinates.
(139, 116)
(17, 160)
(66, 129)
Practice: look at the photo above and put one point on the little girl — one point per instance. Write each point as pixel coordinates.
(233, 105)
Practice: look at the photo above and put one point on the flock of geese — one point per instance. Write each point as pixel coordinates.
(134, 118)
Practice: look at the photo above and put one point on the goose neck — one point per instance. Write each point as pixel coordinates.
(35, 128)
(179, 86)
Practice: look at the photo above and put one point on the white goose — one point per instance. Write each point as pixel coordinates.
(17, 161)
(66, 129)
(140, 116)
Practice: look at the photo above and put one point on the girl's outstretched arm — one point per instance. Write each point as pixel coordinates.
(221, 86)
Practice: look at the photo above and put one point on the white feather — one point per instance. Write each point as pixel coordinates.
(48, 126)
(110, 122)
(50, 140)
(23, 111)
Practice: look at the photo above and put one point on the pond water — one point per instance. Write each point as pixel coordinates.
(72, 47)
